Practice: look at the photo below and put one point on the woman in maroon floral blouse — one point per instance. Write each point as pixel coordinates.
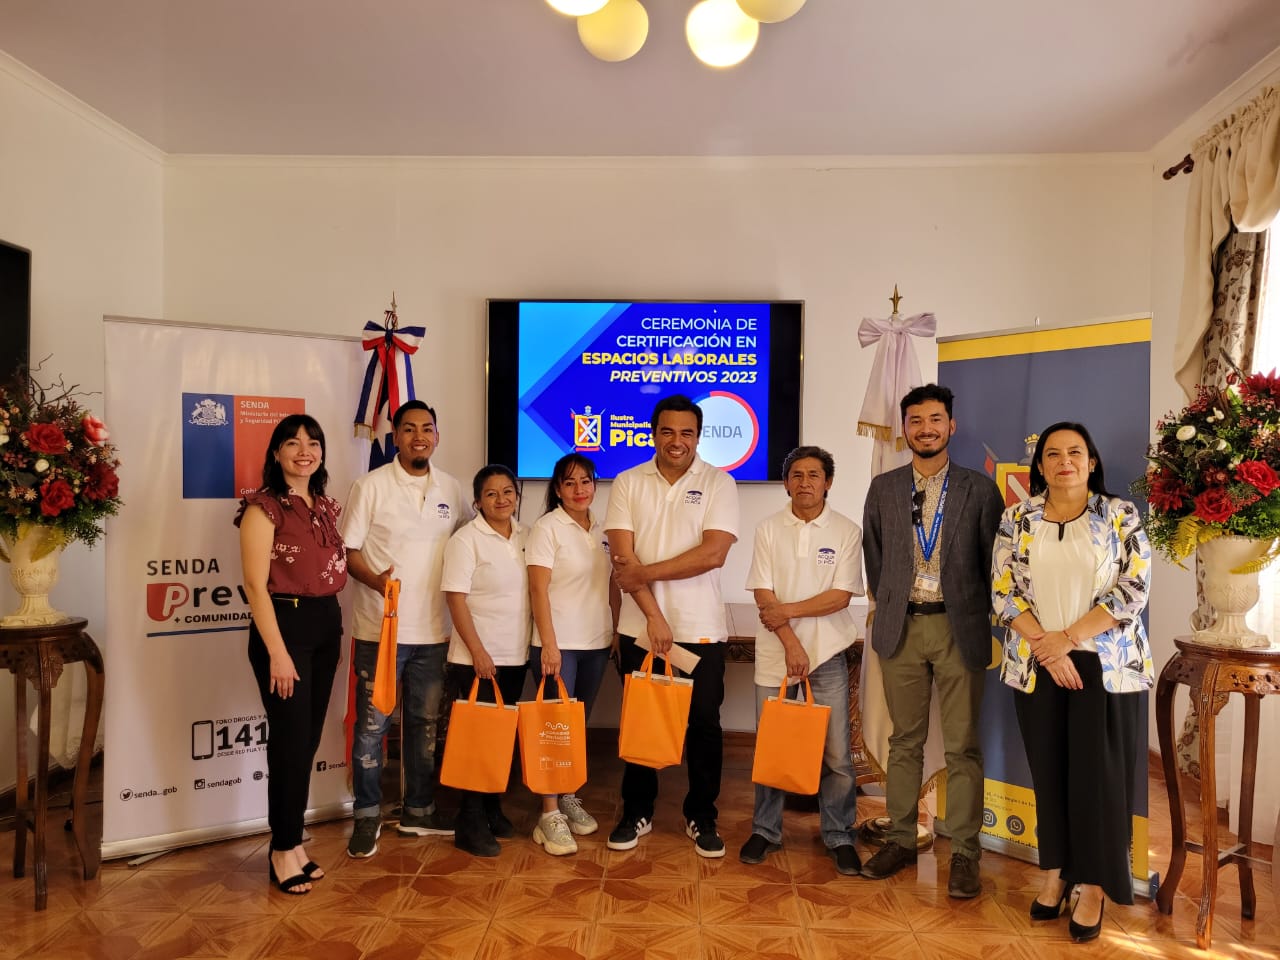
(294, 565)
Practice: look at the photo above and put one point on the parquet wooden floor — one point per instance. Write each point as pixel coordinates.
(421, 898)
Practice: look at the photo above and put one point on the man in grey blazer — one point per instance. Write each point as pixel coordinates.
(928, 529)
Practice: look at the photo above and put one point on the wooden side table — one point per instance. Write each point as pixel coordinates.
(1210, 673)
(38, 654)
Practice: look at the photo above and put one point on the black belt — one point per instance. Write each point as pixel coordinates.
(925, 609)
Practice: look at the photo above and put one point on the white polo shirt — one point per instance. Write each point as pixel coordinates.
(489, 568)
(579, 587)
(391, 524)
(668, 519)
(798, 560)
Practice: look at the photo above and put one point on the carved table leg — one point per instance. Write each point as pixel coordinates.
(1248, 777)
(41, 812)
(21, 796)
(1165, 690)
(95, 676)
(1208, 803)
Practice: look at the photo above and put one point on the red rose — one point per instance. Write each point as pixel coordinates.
(46, 438)
(101, 482)
(95, 430)
(55, 497)
(1258, 475)
(1215, 505)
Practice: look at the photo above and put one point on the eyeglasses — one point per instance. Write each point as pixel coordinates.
(917, 507)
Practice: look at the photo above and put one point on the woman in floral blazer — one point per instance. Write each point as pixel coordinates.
(1070, 574)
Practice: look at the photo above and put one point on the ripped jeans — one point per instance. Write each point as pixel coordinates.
(420, 669)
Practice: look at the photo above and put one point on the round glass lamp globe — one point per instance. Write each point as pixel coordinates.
(766, 11)
(616, 31)
(577, 8)
(720, 34)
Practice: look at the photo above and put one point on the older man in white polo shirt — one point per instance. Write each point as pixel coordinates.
(670, 524)
(397, 521)
(806, 566)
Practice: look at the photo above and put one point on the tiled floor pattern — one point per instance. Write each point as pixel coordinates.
(421, 898)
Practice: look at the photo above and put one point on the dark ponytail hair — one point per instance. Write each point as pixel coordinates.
(560, 473)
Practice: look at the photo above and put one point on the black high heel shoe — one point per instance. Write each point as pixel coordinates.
(1042, 911)
(1082, 934)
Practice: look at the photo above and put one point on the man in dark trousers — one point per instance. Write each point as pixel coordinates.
(928, 529)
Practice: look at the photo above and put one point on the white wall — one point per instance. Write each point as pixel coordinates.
(984, 243)
(85, 197)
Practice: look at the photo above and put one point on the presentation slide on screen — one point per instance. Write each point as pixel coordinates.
(590, 374)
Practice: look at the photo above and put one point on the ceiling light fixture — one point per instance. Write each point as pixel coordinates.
(720, 34)
(766, 11)
(616, 31)
(579, 8)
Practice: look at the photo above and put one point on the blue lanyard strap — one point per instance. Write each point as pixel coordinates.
(928, 545)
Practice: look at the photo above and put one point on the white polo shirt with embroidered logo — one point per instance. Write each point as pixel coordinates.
(666, 520)
(489, 568)
(798, 560)
(389, 520)
(579, 589)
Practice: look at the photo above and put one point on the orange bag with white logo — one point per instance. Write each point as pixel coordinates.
(384, 676)
(790, 740)
(477, 751)
(553, 742)
(655, 715)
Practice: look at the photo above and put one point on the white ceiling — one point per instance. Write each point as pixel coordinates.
(509, 77)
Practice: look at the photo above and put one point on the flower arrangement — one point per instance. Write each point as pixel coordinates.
(1215, 468)
(57, 466)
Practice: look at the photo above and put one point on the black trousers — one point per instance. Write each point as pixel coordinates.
(511, 685)
(1082, 749)
(312, 632)
(704, 740)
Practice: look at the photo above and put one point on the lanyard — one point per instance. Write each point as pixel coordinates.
(927, 546)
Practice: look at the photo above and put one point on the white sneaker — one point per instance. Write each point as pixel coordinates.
(553, 833)
(580, 822)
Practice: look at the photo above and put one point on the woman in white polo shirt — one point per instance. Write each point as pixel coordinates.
(575, 612)
(487, 590)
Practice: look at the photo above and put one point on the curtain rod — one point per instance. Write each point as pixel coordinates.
(1185, 165)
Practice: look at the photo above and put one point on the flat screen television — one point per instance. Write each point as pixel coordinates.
(584, 375)
(15, 308)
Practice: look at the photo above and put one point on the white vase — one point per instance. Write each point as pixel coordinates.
(33, 569)
(1232, 595)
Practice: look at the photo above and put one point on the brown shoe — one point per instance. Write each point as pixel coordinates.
(887, 861)
(964, 883)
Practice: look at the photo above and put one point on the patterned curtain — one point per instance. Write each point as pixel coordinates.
(1239, 271)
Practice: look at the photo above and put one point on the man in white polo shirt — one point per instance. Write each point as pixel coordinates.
(806, 566)
(395, 525)
(670, 524)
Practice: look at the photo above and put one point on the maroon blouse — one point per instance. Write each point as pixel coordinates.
(307, 555)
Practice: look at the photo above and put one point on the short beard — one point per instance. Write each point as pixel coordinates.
(421, 463)
(930, 454)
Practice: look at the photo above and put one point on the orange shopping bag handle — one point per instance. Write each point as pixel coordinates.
(542, 685)
(808, 691)
(497, 694)
(391, 598)
(647, 667)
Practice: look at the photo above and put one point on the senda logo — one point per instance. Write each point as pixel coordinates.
(166, 597)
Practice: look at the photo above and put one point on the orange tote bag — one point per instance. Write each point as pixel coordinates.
(655, 715)
(553, 742)
(477, 751)
(790, 741)
(384, 676)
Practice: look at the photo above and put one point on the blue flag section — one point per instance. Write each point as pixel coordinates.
(590, 374)
(1008, 387)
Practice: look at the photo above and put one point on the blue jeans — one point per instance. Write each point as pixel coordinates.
(581, 670)
(837, 789)
(420, 670)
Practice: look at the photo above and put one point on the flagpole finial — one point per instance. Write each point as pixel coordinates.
(896, 298)
(393, 321)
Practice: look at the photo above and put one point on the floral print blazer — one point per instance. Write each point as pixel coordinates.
(1121, 583)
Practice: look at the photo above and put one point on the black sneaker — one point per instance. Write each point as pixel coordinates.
(628, 832)
(364, 837)
(433, 823)
(847, 860)
(757, 848)
(706, 842)
(472, 835)
(965, 882)
(888, 860)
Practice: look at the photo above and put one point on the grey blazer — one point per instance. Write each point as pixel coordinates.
(969, 524)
